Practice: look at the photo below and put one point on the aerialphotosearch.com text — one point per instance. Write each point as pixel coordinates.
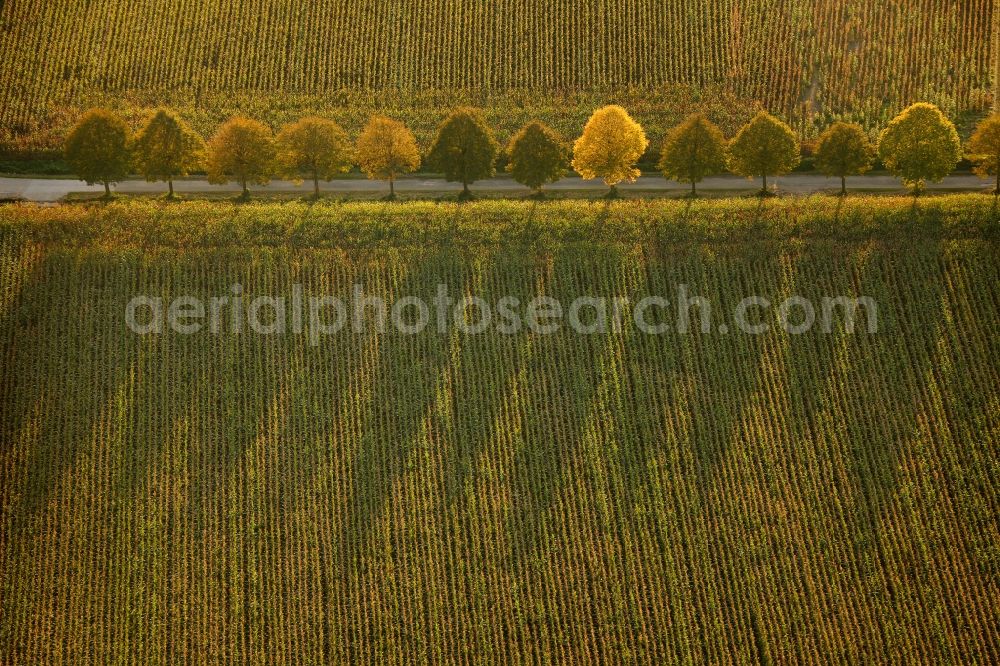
(320, 316)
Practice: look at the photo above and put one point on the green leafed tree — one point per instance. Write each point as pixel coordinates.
(537, 155)
(387, 149)
(242, 150)
(764, 147)
(314, 148)
(609, 148)
(844, 150)
(97, 148)
(693, 151)
(464, 150)
(167, 148)
(984, 149)
(920, 145)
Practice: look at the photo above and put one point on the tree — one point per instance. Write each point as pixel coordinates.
(693, 150)
(764, 147)
(984, 148)
(167, 148)
(464, 150)
(920, 144)
(609, 147)
(244, 150)
(314, 147)
(386, 149)
(97, 148)
(844, 150)
(538, 155)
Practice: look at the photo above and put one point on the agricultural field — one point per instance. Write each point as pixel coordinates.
(808, 60)
(492, 498)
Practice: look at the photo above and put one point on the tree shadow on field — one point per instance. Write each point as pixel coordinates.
(886, 370)
(70, 356)
(211, 409)
(871, 385)
(724, 365)
(560, 379)
(68, 382)
(199, 405)
(481, 373)
(708, 389)
(22, 384)
(406, 383)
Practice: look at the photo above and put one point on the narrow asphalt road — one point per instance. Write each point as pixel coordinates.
(50, 190)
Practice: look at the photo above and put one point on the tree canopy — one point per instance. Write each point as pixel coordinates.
(692, 151)
(610, 146)
(97, 148)
(242, 150)
(537, 155)
(387, 149)
(464, 150)
(920, 145)
(984, 148)
(167, 148)
(844, 150)
(764, 147)
(316, 148)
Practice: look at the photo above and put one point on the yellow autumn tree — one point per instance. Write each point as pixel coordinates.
(920, 145)
(609, 148)
(764, 147)
(242, 150)
(984, 149)
(314, 148)
(386, 149)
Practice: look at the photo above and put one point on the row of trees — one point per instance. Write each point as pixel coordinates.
(920, 145)
(100, 149)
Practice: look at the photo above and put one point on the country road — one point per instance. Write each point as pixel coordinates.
(51, 190)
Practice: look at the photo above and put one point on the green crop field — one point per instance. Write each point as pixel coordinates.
(492, 498)
(807, 60)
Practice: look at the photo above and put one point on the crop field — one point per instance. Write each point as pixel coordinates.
(453, 498)
(808, 60)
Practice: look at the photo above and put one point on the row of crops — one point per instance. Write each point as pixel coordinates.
(806, 59)
(430, 498)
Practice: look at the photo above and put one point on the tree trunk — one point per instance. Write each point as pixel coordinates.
(316, 184)
(246, 190)
(843, 185)
(170, 185)
(764, 191)
(465, 188)
(694, 188)
(392, 185)
(107, 189)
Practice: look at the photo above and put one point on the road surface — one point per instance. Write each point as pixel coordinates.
(50, 190)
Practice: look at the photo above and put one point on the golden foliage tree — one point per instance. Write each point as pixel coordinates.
(242, 150)
(316, 148)
(764, 147)
(611, 144)
(97, 148)
(844, 150)
(167, 148)
(693, 150)
(984, 148)
(386, 149)
(920, 144)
